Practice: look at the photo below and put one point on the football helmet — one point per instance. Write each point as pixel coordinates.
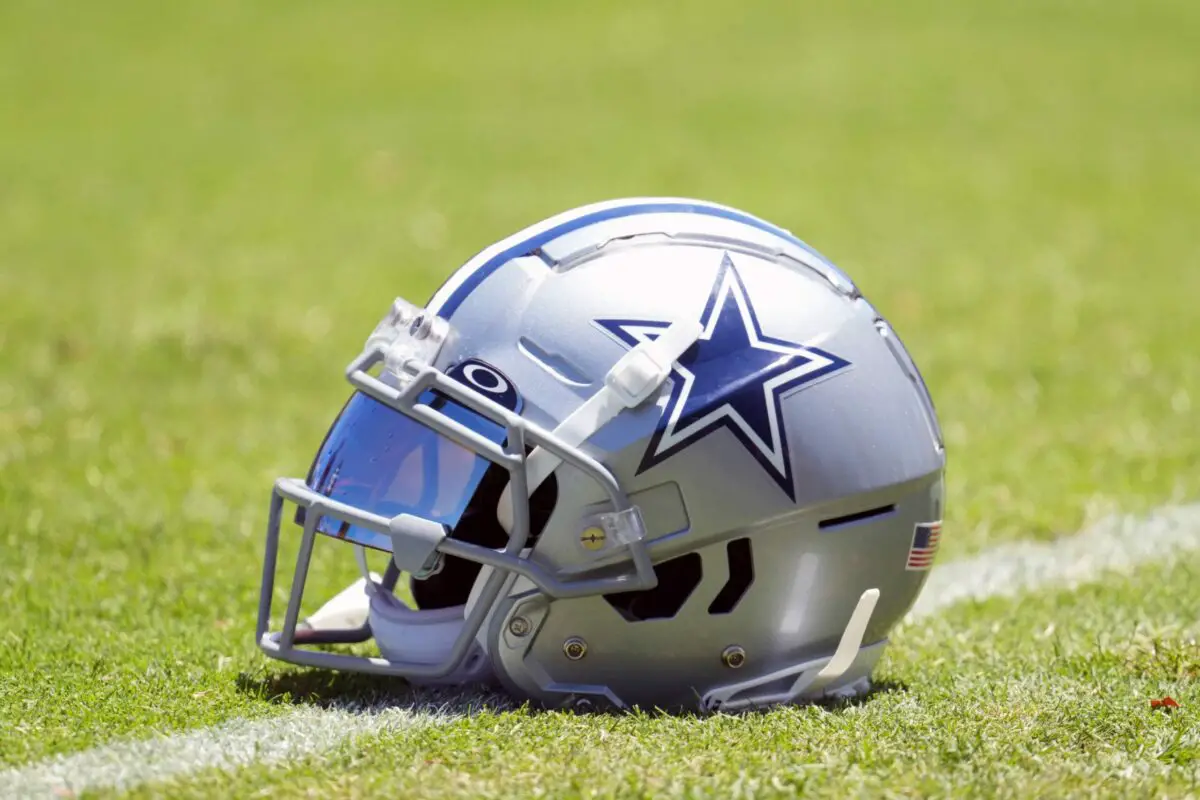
(653, 452)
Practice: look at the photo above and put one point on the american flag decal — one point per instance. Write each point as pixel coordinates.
(924, 545)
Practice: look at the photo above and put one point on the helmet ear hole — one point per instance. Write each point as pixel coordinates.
(677, 579)
(479, 525)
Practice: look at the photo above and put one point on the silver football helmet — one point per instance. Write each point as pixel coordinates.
(650, 452)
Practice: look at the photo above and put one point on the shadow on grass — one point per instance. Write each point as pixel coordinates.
(881, 687)
(367, 693)
(372, 693)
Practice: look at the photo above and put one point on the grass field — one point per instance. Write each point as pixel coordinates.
(204, 208)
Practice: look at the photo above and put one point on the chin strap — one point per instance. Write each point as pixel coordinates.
(635, 377)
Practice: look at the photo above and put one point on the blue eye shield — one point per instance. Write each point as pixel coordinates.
(379, 460)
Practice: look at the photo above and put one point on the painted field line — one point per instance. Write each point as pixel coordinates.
(299, 732)
(1114, 544)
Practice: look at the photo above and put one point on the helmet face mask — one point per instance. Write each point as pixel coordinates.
(419, 542)
(646, 452)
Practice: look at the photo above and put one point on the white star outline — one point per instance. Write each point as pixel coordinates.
(773, 452)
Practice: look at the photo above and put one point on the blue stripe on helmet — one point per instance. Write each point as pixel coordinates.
(523, 248)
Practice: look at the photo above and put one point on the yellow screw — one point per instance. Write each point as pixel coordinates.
(592, 538)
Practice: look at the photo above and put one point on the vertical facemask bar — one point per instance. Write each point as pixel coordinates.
(269, 560)
(312, 517)
(515, 444)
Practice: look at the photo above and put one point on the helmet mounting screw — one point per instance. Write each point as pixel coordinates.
(593, 538)
(420, 327)
(733, 656)
(575, 648)
(519, 626)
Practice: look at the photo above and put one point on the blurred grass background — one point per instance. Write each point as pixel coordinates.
(204, 207)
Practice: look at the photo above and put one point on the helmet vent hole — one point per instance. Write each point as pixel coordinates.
(741, 575)
(857, 516)
(677, 579)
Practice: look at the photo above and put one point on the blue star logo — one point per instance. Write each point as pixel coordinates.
(734, 377)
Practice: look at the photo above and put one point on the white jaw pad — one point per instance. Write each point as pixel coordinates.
(408, 634)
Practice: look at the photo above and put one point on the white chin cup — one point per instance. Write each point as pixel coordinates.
(347, 610)
(424, 637)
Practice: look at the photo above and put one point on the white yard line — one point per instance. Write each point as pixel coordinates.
(1115, 544)
(1119, 544)
(239, 743)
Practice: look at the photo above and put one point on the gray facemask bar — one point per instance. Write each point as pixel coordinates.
(419, 543)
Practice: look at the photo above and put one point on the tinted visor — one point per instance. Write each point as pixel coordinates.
(380, 460)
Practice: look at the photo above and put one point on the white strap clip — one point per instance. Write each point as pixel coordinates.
(635, 377)
(810, 679)
(640, 372)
